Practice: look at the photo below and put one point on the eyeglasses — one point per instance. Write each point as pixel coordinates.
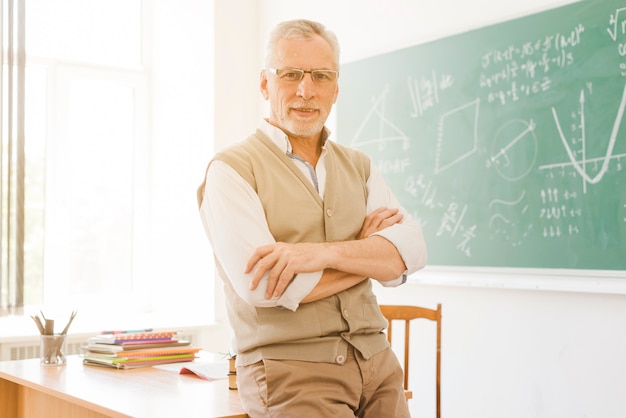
(295, 75)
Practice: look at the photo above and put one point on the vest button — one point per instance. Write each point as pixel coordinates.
(329, 212)
(346, 314)
(340, 359)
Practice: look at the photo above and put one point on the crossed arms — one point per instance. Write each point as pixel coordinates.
(344, 263)
(266, 273)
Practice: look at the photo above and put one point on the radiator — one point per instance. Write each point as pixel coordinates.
(29, 348)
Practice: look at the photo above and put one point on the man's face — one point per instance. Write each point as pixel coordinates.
(300, 108)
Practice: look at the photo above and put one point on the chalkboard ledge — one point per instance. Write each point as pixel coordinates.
(563, 280)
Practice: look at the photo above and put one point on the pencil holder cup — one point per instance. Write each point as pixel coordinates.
(51, 349)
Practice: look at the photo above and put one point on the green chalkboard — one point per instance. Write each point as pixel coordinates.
(507, 142)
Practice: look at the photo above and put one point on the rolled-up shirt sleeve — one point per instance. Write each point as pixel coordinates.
(407, 236)
(234, 221)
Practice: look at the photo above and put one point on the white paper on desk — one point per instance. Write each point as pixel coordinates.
(213, 370)
(207, 371)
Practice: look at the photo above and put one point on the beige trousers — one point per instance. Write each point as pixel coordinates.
(299, 389)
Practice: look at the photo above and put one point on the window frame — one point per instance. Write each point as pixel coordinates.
(192, 300)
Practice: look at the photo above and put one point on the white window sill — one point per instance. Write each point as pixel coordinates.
(16, 326)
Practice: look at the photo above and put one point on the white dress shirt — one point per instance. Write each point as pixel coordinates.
(234, 220)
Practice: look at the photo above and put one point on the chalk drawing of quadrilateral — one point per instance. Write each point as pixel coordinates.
(457, 137)
(377, 129)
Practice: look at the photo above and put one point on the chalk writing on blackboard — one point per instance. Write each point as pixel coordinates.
(425, 91)
(578, 160)
(511, 136)
(617, 27)
(525, 68)
(384, 132)
(507, 142)
(457, 136)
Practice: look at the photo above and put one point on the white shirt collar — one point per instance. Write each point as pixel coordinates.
(279, 137)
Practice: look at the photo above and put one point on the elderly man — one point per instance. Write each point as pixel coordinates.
(299, 227)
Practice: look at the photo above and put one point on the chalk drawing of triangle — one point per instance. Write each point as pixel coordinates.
(377, 129)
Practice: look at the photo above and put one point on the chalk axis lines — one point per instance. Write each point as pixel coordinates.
(580, 165)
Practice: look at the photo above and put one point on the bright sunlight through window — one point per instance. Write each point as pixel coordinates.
(103, 232)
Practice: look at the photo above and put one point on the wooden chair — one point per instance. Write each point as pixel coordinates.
(408, 313)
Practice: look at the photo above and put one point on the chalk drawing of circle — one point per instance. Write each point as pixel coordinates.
(514, 149)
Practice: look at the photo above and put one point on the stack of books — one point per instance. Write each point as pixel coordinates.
(131, 349)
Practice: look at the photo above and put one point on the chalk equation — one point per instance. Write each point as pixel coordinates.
(523, 70)
(559, 213)
(451, 222)
(617, 32)
(425, 91)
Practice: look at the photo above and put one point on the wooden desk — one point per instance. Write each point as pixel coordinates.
(28, 390)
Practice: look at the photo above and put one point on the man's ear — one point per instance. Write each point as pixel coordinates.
(336, 94)
(263, 85)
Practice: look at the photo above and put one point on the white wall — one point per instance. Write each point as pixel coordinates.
(525, 353)
(181, 61)
(507, 352)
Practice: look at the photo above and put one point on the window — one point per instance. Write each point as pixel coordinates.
(94, 195)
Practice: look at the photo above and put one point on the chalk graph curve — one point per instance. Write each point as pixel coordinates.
(610, 146)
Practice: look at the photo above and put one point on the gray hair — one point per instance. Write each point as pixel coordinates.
(300, 28)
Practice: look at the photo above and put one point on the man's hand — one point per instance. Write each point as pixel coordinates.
(378, 220)
(283, 261)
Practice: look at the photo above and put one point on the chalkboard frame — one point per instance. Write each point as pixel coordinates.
(559, 280)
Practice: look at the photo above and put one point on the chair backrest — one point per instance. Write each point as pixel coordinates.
(406, 314)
